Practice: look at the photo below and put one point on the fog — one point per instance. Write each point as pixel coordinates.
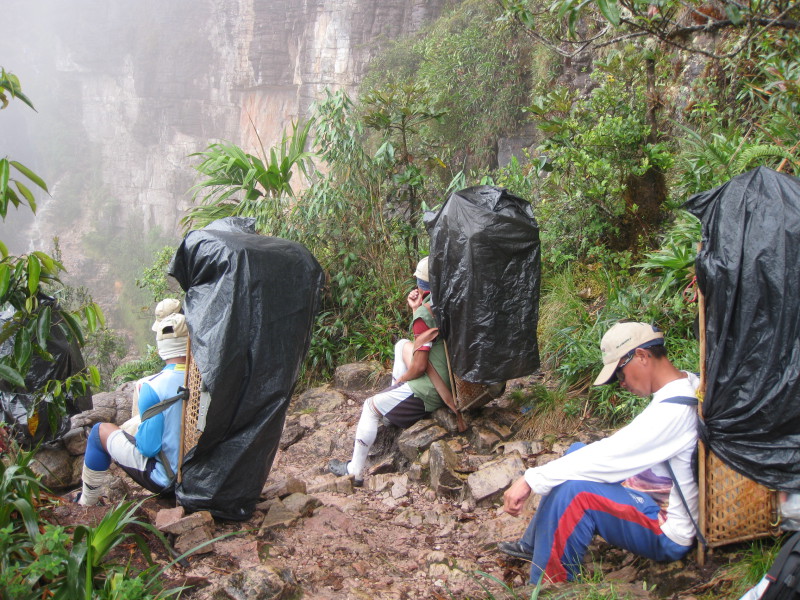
(127, 90)
(124, 92)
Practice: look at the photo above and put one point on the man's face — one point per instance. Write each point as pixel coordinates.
(633, 372)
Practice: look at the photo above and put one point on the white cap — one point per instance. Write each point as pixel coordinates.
(422, 270)
(621, 339)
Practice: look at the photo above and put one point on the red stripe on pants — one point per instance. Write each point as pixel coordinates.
(572, 516)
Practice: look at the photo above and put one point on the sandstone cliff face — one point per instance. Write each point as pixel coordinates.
(138, 86)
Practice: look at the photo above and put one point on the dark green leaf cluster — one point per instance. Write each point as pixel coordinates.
(39, 559)
(31, 314)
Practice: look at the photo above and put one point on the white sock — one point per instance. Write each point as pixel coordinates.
(366, 432)
(92, 486)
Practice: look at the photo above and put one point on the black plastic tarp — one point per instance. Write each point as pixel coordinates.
(749, 271)
(484, 270)
(250, 306)
(17, 406)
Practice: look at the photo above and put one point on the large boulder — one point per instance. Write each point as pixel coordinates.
(75, 441)
(321, 399)
(416, 439)
(361, 376)
(56, 468)
(489, 483)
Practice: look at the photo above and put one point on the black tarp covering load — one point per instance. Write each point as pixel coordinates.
(15, 406)
(250, 306)
(749, 271)
(484, 271)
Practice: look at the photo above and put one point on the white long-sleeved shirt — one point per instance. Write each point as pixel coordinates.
(661, 432)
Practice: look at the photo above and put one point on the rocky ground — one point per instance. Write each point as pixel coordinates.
(423, 526)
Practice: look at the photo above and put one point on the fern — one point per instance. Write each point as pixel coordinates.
(758, 152)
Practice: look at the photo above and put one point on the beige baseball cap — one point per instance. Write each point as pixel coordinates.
(422, 270)
(167, 307)
(621, 339)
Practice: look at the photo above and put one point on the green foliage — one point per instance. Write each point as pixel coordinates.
(477, 70)
(154, 278)
(578, 307)
(39, 559)
(399, 113)
(136, 369)
(263, 182)
(756, 126)
(24, 281)
(10, 87)
(595, 144)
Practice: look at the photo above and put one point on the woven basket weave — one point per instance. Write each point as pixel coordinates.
(737, 509)
(471, 395)
(191, 408)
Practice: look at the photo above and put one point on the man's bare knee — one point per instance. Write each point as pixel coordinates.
(105, 430)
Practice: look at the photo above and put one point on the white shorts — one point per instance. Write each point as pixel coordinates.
(121, 446)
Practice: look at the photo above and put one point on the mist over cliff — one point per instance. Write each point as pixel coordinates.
(126, 91)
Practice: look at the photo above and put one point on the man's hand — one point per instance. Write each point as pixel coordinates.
(414, 299)
(515, 496)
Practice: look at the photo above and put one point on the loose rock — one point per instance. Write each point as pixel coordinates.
(414, 440)
(492, 480)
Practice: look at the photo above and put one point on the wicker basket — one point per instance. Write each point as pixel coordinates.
(471, 395)
(191, 408)
(737, 509)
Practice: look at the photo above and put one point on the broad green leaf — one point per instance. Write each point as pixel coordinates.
(3, 175)
(3, 249)
(91, 318)
(22, 348)
(74, 326)
(47, 262)
(610, 10)
(29, 174)
(27, 194)
(99, 314)
(11, 375)
(34, 269)
(43, 326)
(94, 376)
(5, 280)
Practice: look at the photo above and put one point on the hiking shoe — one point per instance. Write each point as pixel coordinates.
(514, 549)
(339, 468)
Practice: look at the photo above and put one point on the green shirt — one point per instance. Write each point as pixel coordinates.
(422, 386)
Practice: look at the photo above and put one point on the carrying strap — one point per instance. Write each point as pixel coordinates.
(157, 409)
(441, 388)
(784, 582)
(685, 401)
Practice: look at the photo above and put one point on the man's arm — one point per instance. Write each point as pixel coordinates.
(150, 432)
(515, 496)
(418, 366)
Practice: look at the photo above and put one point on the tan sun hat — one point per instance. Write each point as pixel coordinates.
(621, 339)
(422, 270)
(167, 307)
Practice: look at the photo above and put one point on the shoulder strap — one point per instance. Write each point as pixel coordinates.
(157, 409)
(685, 400)
(445, 395)
(777, 577)
(686, 506)
(441, 388)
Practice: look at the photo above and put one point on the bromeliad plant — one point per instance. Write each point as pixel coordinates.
(42, 560)
(241, 184)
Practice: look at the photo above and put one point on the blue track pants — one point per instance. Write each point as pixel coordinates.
(573, 512)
